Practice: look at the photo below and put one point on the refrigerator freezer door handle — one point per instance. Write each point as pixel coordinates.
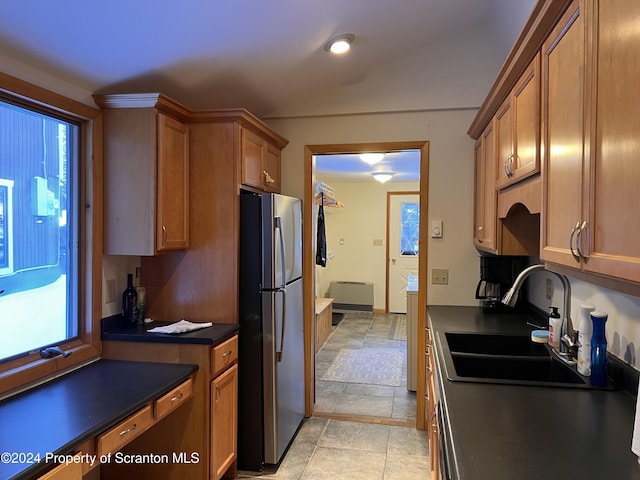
(278, 226)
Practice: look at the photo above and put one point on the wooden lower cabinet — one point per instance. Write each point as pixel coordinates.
(199, 438)
(224, 421)
(324, 317)
(431, 410)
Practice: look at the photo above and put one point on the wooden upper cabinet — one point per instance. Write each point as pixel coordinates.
(172, 225)
(563, 116)
(260, 162)
(517, 129)
(591, 110)
(610, 237)
(146, 174)
(484, 220)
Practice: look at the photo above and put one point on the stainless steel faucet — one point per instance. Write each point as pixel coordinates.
(568, 341)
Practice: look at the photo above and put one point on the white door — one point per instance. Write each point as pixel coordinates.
(404, 214)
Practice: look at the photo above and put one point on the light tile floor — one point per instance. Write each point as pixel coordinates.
(348, 450)
(364, 330)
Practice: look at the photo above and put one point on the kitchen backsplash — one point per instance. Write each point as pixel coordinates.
(623, 325)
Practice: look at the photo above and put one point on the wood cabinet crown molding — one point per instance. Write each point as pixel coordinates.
(544, 17)
(241, 116)
(166, 104)
(143, 100)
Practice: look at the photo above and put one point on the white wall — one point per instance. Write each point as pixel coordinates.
(450, 179)
(358, 224)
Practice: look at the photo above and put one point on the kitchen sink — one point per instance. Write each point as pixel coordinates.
(494, 344)
(506, 359)
(528, 369)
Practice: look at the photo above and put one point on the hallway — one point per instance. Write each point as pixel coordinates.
(359, 431)
(390, 400)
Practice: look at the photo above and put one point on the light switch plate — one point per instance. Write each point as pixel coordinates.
(436, 228)
(440, 276)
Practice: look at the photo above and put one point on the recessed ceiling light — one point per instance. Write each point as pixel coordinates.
(340, 44)
(382, 177)
(371, 158)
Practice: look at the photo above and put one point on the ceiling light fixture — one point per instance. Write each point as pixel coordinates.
(371, 158)
(382, 177)
(340, 44)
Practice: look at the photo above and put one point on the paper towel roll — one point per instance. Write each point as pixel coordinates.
(635, 442)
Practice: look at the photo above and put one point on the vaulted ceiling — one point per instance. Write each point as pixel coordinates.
(247, 53)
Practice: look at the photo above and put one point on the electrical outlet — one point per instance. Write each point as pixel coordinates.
(111, 290)
(440, 276)
(549, 288)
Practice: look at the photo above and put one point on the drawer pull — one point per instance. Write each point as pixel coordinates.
(177, 397)
(128, 430)
(227, 354)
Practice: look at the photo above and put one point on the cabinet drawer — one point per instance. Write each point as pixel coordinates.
(224, 355)
(172, 400)
(70, 471)
(124, 432)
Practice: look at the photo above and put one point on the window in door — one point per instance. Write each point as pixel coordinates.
(409, 228)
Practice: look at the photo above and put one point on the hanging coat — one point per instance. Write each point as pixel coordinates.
(321, 238)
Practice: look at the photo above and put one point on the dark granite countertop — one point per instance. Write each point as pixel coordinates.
(508, 432)
(112, 330)
(58, 416)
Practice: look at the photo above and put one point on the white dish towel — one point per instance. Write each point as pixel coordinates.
(180, 327)
(635, 442)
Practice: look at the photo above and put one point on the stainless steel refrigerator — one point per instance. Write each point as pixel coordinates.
(271, 349)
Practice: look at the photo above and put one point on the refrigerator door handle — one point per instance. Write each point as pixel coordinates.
(279, 351)
(278, 226)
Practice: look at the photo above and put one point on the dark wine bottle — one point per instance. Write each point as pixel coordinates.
(130, 304)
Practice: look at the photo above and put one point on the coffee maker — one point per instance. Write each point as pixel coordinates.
(497, 274)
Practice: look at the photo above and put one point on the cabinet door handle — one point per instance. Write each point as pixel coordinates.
(579, 232)
(573, 232)
(164, 235)
(128, 430)
(427, 362)
(479, 236)
(268, 179)
(217, 395)
(506, 167)
(511, 160)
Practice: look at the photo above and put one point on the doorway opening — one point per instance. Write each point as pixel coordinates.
(309, 249)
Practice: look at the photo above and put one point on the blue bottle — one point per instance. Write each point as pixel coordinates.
(598, 350)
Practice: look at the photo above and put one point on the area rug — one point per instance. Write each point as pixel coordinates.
(364, 366)
(398, 328)
(336, 318)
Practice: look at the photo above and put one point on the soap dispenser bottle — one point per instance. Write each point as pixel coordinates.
(555, 328)
(584, 340)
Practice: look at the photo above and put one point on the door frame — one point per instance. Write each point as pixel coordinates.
(308, 262)
(390, 195)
